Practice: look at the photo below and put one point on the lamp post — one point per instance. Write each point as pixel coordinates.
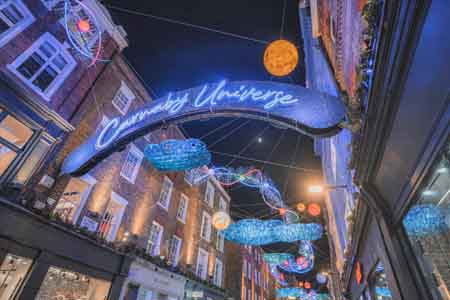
(321, 188)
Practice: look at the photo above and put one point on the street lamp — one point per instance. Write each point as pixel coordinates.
(317, 188)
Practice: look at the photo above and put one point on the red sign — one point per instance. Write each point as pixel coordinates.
(358, 273)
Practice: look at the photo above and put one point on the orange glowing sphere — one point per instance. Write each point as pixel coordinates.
(83, 25)
(282, 211)
(301, 207)
(314, 209)
(307, 285)
(280, 58)
(221, 220)
(300, 284)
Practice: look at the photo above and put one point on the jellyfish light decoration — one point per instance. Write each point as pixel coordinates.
(178, 155)
(425, 219)
(83, 30)
(304, 263)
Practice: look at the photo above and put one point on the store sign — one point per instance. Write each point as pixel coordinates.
(292, 106)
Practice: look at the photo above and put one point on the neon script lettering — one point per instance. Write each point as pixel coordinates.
(207, 97)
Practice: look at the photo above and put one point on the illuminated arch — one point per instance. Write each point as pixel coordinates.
(292, 106)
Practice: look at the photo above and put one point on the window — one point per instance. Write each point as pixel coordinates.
(112, 217)
(154, 239)
(174, 250)
(182, 208)
(123, 98)
(244, 267)
(205, 230)
(427, 225)
(209, 194)
(44, 66)
(33, 161)
(220, 241)
(202, 263)
(218, 271)
(14, 18)
(132, 163)
(166, 193)
(249, 294)
(13, 271)
(222, 204)
(256, 277)
(192, 176)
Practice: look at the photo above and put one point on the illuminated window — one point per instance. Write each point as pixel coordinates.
(182, 208)
(14, 18)
(220, 241)
(218, 271)
(427, 224)
(112, 217)
(202, 264)
(174, 250)
(166, 193)
(205, 230)
(123, 98)
(209, 194)
(222, 204)
(13, 270)
(44, 66)
(154, 239)
(132, 163)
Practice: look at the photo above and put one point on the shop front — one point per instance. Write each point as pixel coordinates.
(199, 291)
(147, 281)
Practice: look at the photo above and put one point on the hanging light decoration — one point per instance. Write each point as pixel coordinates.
(277, 275)
(258, 232)
(321, 278)
(178, 155)
(276, 258)
(280, 58)
(301, 207)
(221, 220)
(424, 219)
(314, 209)
(301, 294)
(383, 292)
(307, 285)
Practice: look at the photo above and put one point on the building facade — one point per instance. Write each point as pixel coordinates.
(389, 61)
(248, 276)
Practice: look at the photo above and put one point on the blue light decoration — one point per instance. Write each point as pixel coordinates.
(277, 275)
(304, 263)
(178, 155)
(257, 232)
(277, 258)
(83, 30)
(321, 278)
(292, 106)
(383, 292)
(424, 219)
(301, 294)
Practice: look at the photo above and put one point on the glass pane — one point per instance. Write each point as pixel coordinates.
(31, 65)
(47, 49)
(3, 26)
(12, 13)
(13, 272)
(6, 158)
(68, 285)
(14, 131)
(46, 77)
(427, 224)
(31, 163)
(60, 62)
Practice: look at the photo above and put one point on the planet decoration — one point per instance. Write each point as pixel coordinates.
(321, 278)
(280, 58)
(257, 232)
(221, 220)
(301, 207)
(178, 155)
(279, 277)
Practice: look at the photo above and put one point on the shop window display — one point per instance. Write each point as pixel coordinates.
(427, 225)
(13, 271)
(62, 284)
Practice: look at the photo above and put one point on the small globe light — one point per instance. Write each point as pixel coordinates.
(286, 263)
(83, 25)
(301, 207)
(300, 260)
(300, 284)
(321, 278)
(221, 220)
(280, 58)
(314, 209)
(282, 211)
(307, 285)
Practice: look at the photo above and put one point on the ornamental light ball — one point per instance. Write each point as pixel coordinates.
(221, 220)
(280, 58)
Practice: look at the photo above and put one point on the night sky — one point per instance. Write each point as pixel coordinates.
(171, 57)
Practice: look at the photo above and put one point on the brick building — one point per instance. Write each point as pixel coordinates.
(248, 276)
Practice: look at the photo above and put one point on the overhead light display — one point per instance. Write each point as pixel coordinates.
(257, 232)
(277, 275)
(321, 278)
(425, 219)
(277, 258)
(178, 155)
(301, 294)
(280, 58)
(302, 264)
(221, 220)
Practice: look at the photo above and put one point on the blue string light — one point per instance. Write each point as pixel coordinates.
(383, 292)
(178, 155)
(424, 219)
(277, 258)
(257, 232)
(301, 294)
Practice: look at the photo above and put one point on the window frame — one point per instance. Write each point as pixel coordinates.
(140, 156)
(178, 250)
(209, 190)
(129, 95)
(215, 279)
(184, 198)
(206, 254)
(206, 216)
(220, 241)
(62, 49)
(157, 250)
(17, 28)
(168, 195)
